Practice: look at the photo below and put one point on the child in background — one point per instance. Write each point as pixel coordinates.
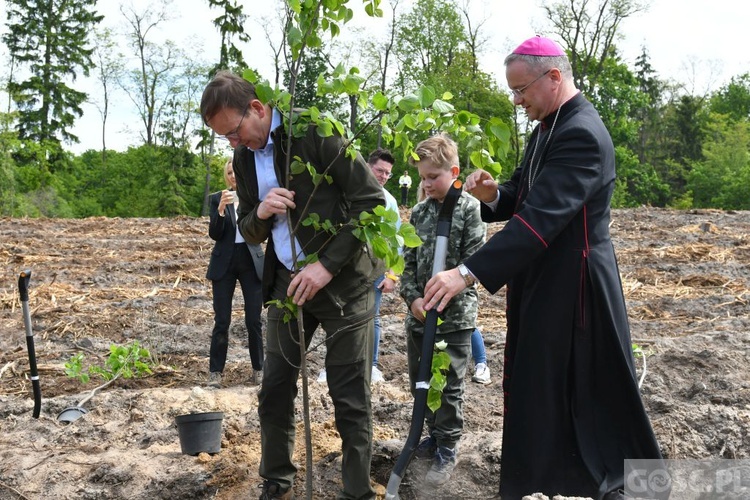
(438, 167)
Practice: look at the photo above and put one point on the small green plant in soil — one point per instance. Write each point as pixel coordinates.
(126, 361)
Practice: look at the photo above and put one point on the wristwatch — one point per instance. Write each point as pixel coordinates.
(469, 278)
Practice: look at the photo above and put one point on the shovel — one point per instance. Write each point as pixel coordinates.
(23, 289)
(73, 413)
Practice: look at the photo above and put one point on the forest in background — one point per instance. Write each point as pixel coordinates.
(675, 148)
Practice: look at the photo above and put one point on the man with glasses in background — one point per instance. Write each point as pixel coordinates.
(381, 163)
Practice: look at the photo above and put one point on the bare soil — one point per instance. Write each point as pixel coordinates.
(99, 281)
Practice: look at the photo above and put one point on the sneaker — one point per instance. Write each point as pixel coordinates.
(481, 374)
(272, 489)
(426, 448)
(442, 466)
(214, 379)
(322, 376)
(377, 376)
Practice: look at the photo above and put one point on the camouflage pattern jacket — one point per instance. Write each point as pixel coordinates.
(466, 236)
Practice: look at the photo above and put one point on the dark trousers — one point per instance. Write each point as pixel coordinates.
(447, 424)
(242, 269)
(349, 341)
(404, 195)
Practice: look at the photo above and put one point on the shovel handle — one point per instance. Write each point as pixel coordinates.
(23, 284)
(23, 289)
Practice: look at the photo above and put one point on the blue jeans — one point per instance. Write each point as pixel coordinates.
(477, 345)
(378, 297)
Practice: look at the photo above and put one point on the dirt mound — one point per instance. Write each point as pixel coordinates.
(98, 281)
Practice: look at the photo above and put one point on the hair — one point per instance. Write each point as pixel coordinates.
(543, 63)
(440, 150)
(226, 176)
(380, 154)
(420, 192)
(226, 91)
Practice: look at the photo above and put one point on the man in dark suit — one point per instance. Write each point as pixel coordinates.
(233, 259)
(573, 413)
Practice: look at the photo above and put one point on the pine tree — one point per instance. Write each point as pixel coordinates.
(230, 23)
(49, 40)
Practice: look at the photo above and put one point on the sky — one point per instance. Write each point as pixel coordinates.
(694, 42)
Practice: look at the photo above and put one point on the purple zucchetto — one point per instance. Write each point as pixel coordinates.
(539, 46)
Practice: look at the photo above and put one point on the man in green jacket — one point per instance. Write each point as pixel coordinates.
(335, 292)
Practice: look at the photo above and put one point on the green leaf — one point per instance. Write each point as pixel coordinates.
(408, 103)
(325, 128)
(412, 240)
(265, 93)
(442, 107)
(294, 37)
(397, 265)
(380, 247)
(297, 167)
(463, 117)
(434, 399)
(499, 129)
(426, 96)
(311, 220)
(380, 102)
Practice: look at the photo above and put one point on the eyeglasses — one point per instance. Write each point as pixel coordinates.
(234, 134)
(382, 172)
(519, 92)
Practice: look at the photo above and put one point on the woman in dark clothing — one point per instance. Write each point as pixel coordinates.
(232, 260)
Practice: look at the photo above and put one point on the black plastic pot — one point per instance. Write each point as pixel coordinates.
(200, 432)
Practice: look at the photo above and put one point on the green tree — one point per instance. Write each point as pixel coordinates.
(402, 119)
(110, 66)
(8, 188)
(733, 100)
(618, 98)
(84, 184)
(428, 39)
(722, 178)
(589, 31)
(150, 85)
(231, 24)
(637, 183)
(438, 45)
(648, 111)
(314, 64)
(51, 39)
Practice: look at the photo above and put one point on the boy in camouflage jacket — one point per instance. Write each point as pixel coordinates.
(438, 167)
